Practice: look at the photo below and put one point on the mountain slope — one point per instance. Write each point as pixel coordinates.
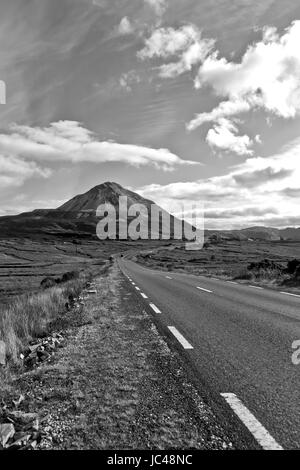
(77, 217)
(104, 193)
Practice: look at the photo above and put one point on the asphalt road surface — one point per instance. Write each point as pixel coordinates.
(237, 342)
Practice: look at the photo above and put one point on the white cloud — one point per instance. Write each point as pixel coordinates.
(128, 79)
(267, 77)
(185, 44)
(69, 141)
(224, 109)
(223, 136)
(14, 171)
(125, 27)
(249, 194)
(159, 6)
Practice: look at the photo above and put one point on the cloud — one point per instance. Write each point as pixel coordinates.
(292, 192)
(128, 79)
(223, 136)
(185, 44)
(267, 77)
(259, 191)
(14, 171)
(159, 6)
(255, 178)
(125, 27)
(69, 141)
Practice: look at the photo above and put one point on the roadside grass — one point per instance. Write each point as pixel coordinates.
(233, 261)
(30, 316)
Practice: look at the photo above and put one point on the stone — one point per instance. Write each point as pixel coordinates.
(23, 418)
(18, 444)
(7, 431)
(2, 353)
(18, 401)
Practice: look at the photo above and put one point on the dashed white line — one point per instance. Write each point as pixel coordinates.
(168, 277)
(144, 295)
(289, 293)
(262, 436)
(205, 290)
(256, 287)
(137, 288)
(133, 283)
(184, 343)
(156, 310)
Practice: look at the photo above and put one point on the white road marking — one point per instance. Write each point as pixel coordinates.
(288, 293)
(205, 290)
(133, 283)
(137, 288)
(262, 436)
(180, 338)
(144, 295)
(232, 282)
(168, 277)
(256, 287)
(156, 310)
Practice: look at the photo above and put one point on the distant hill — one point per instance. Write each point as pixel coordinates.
(260, 233)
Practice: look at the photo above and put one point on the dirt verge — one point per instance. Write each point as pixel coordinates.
(116, 384)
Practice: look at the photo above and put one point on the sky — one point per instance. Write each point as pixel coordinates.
(183, 101)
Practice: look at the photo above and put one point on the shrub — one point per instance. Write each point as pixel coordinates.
(292, 266)
(69, 276)
(244, 273)
(48, 282)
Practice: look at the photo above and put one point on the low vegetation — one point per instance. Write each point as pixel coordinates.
(30, 316)
(273, 263)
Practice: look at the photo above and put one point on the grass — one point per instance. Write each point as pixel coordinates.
(231, 260)
(30, 316)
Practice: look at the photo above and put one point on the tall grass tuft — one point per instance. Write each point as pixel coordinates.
(29, 316)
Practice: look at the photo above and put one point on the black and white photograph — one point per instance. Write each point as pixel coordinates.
(149, 229)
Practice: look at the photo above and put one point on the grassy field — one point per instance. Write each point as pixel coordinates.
(229, 259)
(24, 263)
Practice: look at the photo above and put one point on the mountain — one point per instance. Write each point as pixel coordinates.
(77, 217)
(104, 193)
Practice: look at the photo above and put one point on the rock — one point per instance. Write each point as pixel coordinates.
(23, 418)
(2, 353)
(19, 401)
(18, 444)
(7, 431)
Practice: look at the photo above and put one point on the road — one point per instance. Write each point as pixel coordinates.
(237, 342)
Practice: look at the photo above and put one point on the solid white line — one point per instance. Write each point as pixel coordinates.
(288, 293)
(180, 338)
(137, 288)
(156, 310)
(256, 287)
(144, 295)
(255, 427)
(205, 290)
